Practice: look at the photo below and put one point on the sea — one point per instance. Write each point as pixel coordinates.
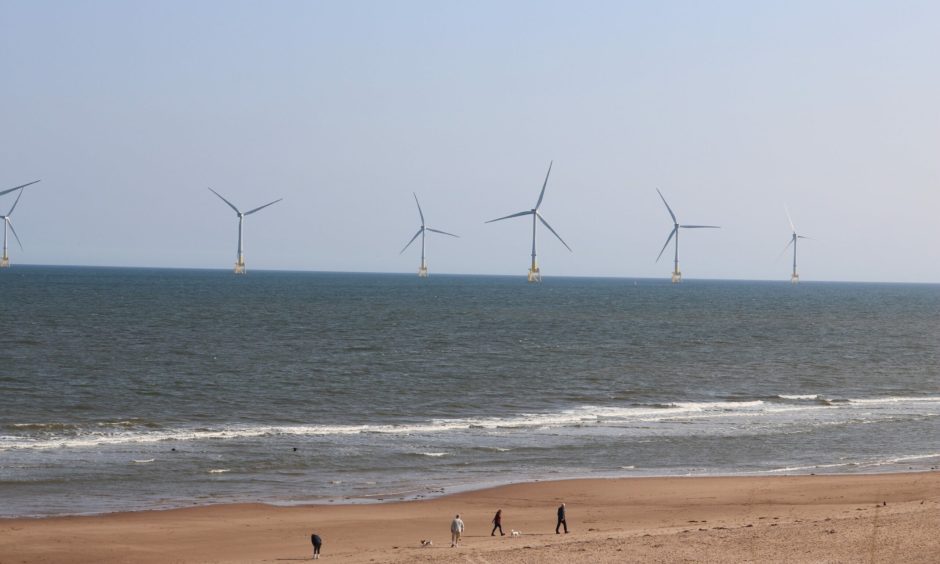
(130, 389)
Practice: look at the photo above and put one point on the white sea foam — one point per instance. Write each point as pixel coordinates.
(147, 461)
(658, 418)
(433, 454)
(219, 470)
(799, 397)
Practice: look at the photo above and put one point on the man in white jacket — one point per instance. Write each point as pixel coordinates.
(456, 527)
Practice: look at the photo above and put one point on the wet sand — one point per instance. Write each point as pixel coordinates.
(845, 518)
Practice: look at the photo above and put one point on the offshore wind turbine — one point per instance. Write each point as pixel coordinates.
(676, 274)
(423, 270)
(7, 222)
(240, 256)
(794, 278)
(535, 274)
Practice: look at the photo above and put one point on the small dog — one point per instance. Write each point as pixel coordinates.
(515, 533)
(427, 543)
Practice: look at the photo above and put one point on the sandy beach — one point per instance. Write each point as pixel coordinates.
(845, 518)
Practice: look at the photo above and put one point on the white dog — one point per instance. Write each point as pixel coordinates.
(515, 533)
(427, 543)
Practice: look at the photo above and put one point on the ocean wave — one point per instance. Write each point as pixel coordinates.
(68, 435)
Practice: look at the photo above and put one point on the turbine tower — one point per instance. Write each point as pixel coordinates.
(8, 222)
(676, 274)
(240, 257)
(794, 278)
(534, 274)
(423, 270)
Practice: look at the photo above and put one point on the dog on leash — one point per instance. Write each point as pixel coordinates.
(427, 543)
(515, 533)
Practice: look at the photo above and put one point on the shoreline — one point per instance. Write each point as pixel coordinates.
(427, 494)
(848, 517)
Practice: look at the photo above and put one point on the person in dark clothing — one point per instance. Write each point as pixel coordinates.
(498, 523)
(317, 543)
(561, 519)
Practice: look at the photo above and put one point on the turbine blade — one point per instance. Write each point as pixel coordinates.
(529, 212)
(544, 184)
(700, 227)
(545, 223)
(259, 208)
(18, 196)
(230, 204)
(785, 249)
(412, 240)
(790, 219)
(421, 213)
(674, 220)
(442, 232)
(10, 223)
(671, 233)
(802, 237)
(7, 191)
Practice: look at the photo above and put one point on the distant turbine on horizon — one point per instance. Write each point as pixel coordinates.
(240, 256)
(676, 274)
(794, 278)
(423, 270)
(8, 222)
(534, 274)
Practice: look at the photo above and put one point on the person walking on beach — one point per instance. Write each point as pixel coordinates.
(317, 543)
(498, 523)
(456, 527)
(561, 519)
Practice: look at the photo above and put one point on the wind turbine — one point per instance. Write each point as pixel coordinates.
(423, 270)
(7, 222)
(676, 274)
(794, 278)
(534, 274)
(240, 259)
(5, 259)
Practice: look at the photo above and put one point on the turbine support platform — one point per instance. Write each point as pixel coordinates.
(676, 277)
(794, 278)
(5, 262)
(423, 271)
(535, 275)
(240, 267)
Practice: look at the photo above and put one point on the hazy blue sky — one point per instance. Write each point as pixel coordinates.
(129, 110)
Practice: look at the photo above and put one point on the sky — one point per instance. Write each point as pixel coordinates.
(129, 111)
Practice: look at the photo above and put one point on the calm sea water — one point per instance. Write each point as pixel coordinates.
(133, 388)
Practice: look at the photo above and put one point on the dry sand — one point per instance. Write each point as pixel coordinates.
(857, 518)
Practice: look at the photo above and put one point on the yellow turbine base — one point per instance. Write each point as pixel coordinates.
(535, 275)
(423, 272)
(676, 277)
(240, 267)
(5, 262)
